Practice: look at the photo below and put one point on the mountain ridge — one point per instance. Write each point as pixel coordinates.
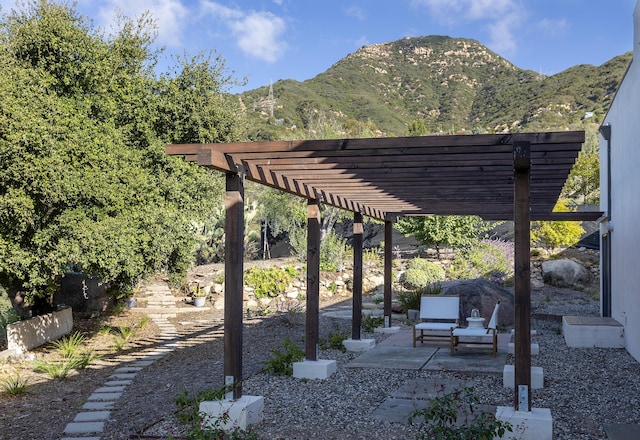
(433, 84)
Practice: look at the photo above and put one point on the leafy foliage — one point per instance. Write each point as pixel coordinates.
(420, 273)
(334, 339)
(370, 323)
(488, 259)
(454, 416)
(552, 234)
(269, 282)
(189, 414)
(281, 363)
(443, 231)
(84, 181)
(14, 385)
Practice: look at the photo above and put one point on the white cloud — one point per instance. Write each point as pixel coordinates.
(170, 16)
(278, 2)
(356, 11)
(258, 34)
(500, 18)
(553, 28)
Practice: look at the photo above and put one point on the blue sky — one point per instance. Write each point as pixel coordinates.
(268, 40)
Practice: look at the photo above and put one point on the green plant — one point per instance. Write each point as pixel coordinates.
(126, 333)
(69, 345)
(269, 282)
(378, 298)
(197, 291)
(420, 273)
(334, 339)
(15, 385)
(431, 289)
(105, 330)
(144, 321)
(56, 370)
(8, 314)
(371, 257)
(454, 416)
(199, 426)
(333, 251)
(410, 300)
(281, 363)
(370, 323)
(118, 344)
(487, 259)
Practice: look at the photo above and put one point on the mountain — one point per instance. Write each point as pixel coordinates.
(433, 84)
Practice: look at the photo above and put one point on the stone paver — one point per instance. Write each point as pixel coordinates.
(84, 427)
(105, 396)
(98, 405)
(92, 416)
(111, 389)
(80, 438)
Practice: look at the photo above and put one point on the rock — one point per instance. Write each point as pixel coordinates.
(482, 295)
(565, 273)
(372, 283)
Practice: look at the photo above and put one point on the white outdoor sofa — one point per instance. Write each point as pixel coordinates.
(439, 314)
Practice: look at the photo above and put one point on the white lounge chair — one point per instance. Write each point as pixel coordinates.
(439, 314)
(478, 335)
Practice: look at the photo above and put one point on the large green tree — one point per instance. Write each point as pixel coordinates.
(442, 231)
(84, 181)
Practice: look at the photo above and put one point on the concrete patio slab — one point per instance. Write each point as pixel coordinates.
(617, 431)
(467, 361)
(401, 358)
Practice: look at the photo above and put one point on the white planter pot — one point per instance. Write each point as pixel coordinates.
(199, 301)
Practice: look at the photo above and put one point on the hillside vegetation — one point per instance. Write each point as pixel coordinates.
(434, 84)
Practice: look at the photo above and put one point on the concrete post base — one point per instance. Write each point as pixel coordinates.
(535, 348)
(509, 377)
(359, 345)
(233, 414)
(536, 424)
(389, 330)
(320, 369)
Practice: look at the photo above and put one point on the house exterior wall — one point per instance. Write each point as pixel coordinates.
(624, 119)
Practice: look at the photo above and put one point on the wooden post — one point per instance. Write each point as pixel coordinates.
(388, 263)
(313, 280)
(233, 269)
(356, 322)
(522, 309)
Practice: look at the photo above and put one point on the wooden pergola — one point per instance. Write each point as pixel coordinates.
(497, 177)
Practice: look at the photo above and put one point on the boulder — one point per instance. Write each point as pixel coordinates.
(482, 295)
(565, 273)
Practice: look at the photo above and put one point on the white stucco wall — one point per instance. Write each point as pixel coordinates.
(624, 118)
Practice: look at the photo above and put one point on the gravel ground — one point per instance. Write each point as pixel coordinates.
(584, 388)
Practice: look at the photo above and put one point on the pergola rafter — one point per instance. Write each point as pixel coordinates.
(497, 177)
(445, 175)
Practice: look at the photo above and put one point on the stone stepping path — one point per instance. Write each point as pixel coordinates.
(89, 423)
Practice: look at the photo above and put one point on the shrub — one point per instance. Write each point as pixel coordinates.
(15, 385)
(281, 363)
(489, 259)
(334, 340)
(552, 234)
(420, 273)
(333, 252)
(410, 300)
(269, 282)
(370, 323)
(453, 416)
(189, 414)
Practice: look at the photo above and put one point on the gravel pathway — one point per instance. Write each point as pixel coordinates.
(584, 388)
